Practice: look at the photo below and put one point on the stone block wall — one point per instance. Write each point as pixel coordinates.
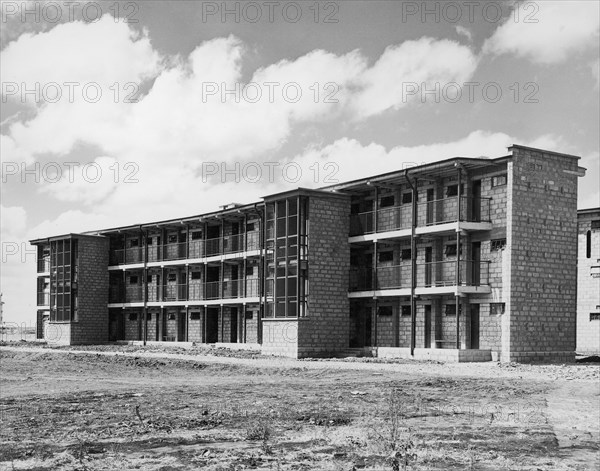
(326, 328)
(588, 287)
(92, 291)
(542, 238)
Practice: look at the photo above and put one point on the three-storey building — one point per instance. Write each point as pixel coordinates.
(463, 259)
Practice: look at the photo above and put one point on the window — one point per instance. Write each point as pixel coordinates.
(197, 235)
(148, 316)
(407, 197)
(194, 316)
(196, 275)
(134, 242)
(133, 316)
(588, 244)
(149, 278)
(249, 315)
(133, 280)
(498, 244)
(497, 309)
(385, 311)
(386, 256)
(249, 271)
(172, 239)
(451, 250)
(596, 224)
(499, 180)
(406, 311)
(250, 227)
(594, 316)
(172, 277)
(172, 316)
(406, 254)
(149, 240)
(452, 190)
(387, 201)
(451, 310)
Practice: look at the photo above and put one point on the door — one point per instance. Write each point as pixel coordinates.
(430, 206)
(234, 244)
(181, 327)
(476, 264)
(475, 326)
(476, 202)
(233, 283)
(428, 266)
(212, 325)
(428, 326)
(234, 325)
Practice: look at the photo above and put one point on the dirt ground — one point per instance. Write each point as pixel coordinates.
(122, 408)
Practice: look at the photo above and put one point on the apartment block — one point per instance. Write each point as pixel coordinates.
(588, 287)
(465, 259)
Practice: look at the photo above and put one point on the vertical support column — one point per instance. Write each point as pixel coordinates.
(187, 323)
(413, 265)
(145, 285)
(203, 326)
(161, 323)
(220, 339)
(261, 271)
(457, 272)
(298, 254)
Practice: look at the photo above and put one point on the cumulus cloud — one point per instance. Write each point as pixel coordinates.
(426, 61)
(547, 32)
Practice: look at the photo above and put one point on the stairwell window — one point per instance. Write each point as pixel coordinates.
(386, 257)
(406, 311)
(498, 244)
(407, 197)
(387, 201)
(497, 309)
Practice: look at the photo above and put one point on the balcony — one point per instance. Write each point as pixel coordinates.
(429, 213)
(173, 292)
(193, 249)
(43, 299)
(429, 275)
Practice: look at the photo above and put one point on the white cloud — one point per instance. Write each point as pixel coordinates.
(547, 32)
(13, 221)
(595, 67)
(385, 85)
(462, 31)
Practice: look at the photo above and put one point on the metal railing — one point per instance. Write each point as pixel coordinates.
(228, 289)
(182, 250)
(431, 274)
(428, 213)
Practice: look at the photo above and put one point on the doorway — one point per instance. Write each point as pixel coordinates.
(428, 266)
(181, 327)
(476, 268)
(476, 201)
(475, 326)
(212, 324)
(233, 337)
(428, 326)
(430, 206)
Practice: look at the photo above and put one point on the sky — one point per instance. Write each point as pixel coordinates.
(116, 113)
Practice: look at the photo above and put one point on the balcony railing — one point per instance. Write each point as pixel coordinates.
(428, 213)
(431, 274)
(43, 299)
(182, 250)
(43, 265)
(228, 289)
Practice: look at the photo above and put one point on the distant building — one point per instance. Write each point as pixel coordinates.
(466, 259)
(588, 281)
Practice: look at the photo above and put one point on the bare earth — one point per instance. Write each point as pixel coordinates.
(121, 408)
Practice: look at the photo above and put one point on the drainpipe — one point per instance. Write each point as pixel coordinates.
(145, 281)
(413, 265)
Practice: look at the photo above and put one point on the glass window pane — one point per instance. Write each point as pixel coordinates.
(292, 206)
